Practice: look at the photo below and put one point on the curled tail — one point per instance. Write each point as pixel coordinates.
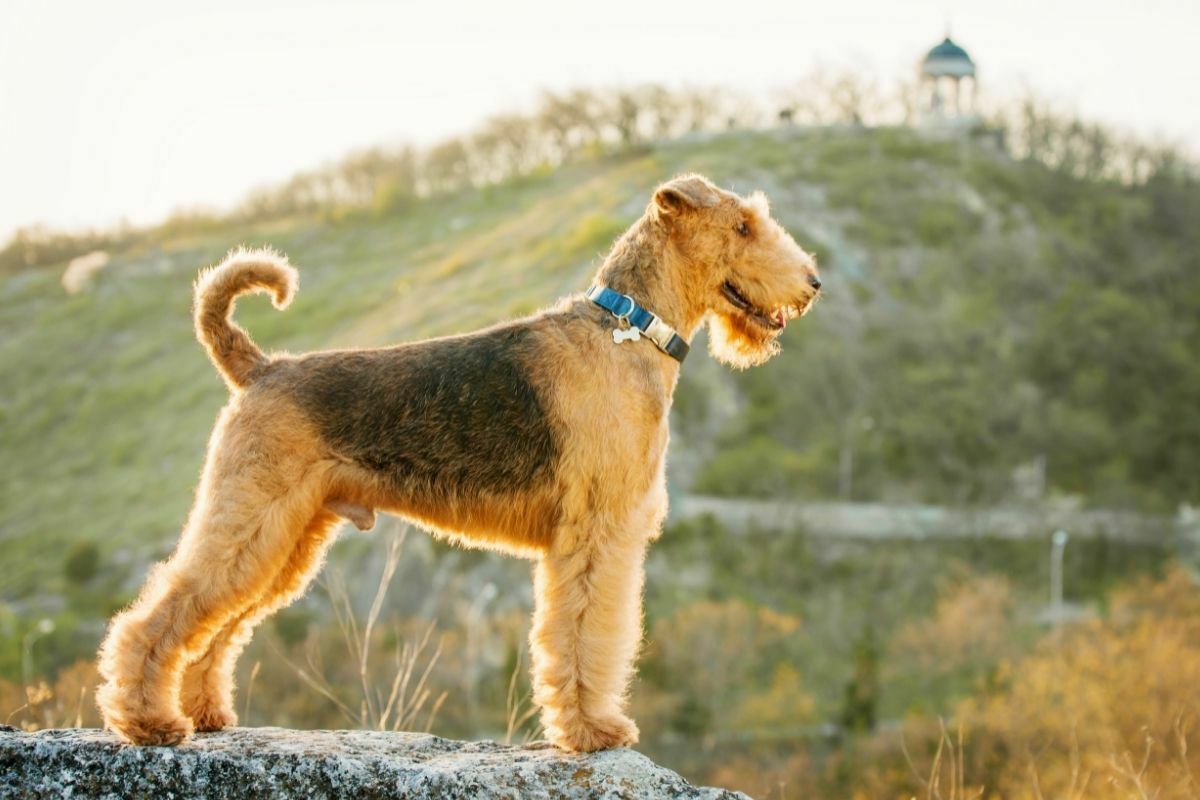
(242, 271)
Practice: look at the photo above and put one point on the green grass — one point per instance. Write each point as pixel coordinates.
(106, 399)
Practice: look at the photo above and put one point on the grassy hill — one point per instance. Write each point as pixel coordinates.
(981, 312)
(108, 401)
(994, 330)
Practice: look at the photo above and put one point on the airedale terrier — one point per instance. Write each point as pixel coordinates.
(543, 437)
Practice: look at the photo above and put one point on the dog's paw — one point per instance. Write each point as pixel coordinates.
(588, 736)
(153, 732)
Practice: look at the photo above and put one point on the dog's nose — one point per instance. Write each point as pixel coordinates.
(814, 281)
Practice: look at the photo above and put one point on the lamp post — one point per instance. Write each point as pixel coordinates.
(1058, 544)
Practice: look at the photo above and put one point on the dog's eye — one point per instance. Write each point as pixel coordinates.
(742, 228)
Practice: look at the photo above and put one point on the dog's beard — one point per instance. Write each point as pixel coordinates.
(737, 341)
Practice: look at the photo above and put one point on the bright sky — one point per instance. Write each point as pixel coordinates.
(131, 108)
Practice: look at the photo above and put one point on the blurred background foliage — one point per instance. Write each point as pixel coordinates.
(1012, 320)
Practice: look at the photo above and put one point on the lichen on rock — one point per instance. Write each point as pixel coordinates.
(266, 763)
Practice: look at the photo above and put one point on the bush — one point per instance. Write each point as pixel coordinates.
(761, 467)
(81, 563)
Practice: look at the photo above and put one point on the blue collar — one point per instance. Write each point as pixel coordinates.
(640, 321)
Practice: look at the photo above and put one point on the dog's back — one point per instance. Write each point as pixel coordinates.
(458, 415)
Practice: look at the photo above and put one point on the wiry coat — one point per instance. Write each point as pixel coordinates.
(539, 437)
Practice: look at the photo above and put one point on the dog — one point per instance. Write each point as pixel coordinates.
(543, 437)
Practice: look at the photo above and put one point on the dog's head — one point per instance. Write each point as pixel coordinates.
(746, 272)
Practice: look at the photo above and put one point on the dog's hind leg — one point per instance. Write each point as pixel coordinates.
(585, 635)
(208, 683)
(247, 522)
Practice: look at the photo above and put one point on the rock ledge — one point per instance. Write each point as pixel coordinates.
(267, 763)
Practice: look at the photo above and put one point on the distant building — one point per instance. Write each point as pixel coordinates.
(948, 87)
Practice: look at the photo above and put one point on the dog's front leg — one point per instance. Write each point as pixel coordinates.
(586, 629)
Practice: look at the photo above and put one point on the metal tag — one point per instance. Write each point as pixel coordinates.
(631, 334)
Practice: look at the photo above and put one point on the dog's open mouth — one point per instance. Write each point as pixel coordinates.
(775, 320)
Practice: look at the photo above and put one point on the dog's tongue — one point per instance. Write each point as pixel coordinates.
(781, 318)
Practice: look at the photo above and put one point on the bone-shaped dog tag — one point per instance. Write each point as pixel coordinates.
(631, 334)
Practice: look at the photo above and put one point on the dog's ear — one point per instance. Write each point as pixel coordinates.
(684, 192)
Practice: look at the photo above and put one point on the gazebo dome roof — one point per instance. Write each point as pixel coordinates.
(947, 58)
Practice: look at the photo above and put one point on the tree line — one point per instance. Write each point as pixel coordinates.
(582, 122)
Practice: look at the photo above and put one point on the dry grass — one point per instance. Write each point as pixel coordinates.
(947, 774)
(1126, 775)
(519, 709)
(68, 702)
(1132, 775)
(405, 703)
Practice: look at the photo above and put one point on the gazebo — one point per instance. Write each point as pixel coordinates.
(948, 85)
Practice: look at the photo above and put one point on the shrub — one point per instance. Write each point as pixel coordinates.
(81, 563)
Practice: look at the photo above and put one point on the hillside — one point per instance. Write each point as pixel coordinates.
(948, 352)
(995, 332)
(109, 401)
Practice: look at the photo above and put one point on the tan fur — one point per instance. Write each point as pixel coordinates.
(231, 349)
(275, 480)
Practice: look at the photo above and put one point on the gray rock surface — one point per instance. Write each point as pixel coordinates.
(269, 763)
